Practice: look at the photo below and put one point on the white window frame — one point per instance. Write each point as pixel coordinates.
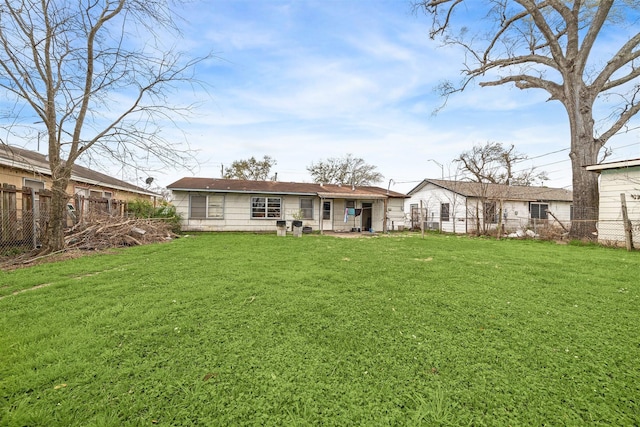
(269, 206)
(213, 206)
(35, 184)
(307, 211)
(541, 214)
(445, 208)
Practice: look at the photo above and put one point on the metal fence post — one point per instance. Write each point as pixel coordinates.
(34, 229)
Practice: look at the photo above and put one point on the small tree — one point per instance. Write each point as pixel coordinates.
(251, 169)
(493, 163)
(74, 68)
(347, 170)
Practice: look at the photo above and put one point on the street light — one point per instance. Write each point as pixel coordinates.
(439, 164)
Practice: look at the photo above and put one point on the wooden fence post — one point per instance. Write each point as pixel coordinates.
(628, 233)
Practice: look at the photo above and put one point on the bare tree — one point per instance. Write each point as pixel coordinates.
(348, 170)
(550, 45)
(252, 169)
(97, 77)
(493, 163)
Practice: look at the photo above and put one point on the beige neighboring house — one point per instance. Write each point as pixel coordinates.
(21, 168)
(616, 178)
(208, 204)
(469, 207)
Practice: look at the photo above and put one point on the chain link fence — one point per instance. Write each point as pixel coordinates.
(25, 215)
(614, 233)
(607, 232)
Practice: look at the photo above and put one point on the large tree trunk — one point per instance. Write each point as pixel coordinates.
(54, 235)
(584, 151)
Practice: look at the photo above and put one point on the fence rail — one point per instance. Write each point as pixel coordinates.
(609, 233)
(25, 215)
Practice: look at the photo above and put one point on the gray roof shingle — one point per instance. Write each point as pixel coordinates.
(277, 187)
(35, 162)
(499, 191)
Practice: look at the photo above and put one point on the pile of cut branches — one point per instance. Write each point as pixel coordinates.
(105, 231)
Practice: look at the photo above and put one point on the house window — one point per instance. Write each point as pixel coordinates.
(215, 204)
(211, 206)
(444, 212)
(95, 194)
(490, 213)
(266, 207)
(351, 204)
(32, 183)
(108, 195)
(306, 207)
(197, 206)
(538, 210)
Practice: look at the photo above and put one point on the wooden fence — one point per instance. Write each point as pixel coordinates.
(25, 214)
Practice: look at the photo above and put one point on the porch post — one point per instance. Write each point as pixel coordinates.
(384, 216)
(320, 219)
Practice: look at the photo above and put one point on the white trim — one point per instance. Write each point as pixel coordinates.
(614, 165)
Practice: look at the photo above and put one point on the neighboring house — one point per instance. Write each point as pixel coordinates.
(208, 204)
(616, 178)
(20, 168)
(472, 207)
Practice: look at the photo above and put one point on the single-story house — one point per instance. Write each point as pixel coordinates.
(20, 168)
(471, 207)
(208, 204)
(616, 178)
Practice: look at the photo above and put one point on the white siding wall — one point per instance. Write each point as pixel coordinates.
(432, 197)
(237, 212)
(613, 182)
(463, 211)
(395, 214)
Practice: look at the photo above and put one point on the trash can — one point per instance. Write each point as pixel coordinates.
(282, 228)
(297, 228)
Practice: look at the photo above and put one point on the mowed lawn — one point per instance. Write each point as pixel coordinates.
(244, 329)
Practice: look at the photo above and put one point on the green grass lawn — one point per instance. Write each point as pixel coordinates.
(242, 329)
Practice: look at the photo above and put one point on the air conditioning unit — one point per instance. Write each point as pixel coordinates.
(429, 225)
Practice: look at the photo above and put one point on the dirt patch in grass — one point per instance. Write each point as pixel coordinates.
(34, 258)
(33, 288)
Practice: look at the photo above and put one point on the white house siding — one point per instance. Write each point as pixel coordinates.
(395, 214)
(237, 211)
(432, 197)
(465, 213)
(614, 182)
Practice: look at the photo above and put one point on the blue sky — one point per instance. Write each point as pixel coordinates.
(305, 80)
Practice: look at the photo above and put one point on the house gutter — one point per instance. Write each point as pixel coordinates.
(43, 171)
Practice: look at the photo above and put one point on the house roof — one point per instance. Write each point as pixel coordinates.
(276, 187)
(622, 164)
(498, 191)
(34, 162)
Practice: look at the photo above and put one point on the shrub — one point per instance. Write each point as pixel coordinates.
(165, 210)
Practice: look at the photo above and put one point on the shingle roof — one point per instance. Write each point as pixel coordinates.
(499, 191)
(277, 187)
(35, 162)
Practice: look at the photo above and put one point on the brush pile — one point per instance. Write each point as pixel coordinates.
(105, 231)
